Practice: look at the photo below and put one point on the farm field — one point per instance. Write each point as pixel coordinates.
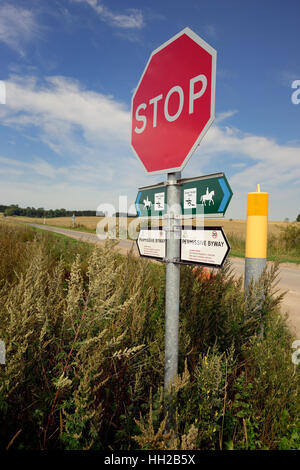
(283, 237)
(82, 223)
(235, 227)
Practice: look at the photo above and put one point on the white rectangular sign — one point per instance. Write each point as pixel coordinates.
(190, 198)
(159, 201)
(206, 246)
(152, 243)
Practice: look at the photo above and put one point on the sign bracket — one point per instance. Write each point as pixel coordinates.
(172, 260)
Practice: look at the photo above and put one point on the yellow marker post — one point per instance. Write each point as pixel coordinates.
(257, 225)
(256, 236)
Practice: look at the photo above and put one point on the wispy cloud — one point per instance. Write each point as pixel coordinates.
(59, 106)
(131, 19)
(267, 161)
(37, 166)
(18, 26)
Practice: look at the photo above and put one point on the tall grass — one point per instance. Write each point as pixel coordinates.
(284, 246)
(84, 335)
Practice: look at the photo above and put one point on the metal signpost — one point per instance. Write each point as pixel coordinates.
(172, 108)
(172, 281)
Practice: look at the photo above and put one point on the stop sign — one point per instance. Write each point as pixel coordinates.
(174, 103)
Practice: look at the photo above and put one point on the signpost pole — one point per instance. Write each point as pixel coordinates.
(172, 283)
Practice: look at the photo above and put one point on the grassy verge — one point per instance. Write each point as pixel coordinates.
(284, 247)
(233, 252)
(84, 334)
(78, 228)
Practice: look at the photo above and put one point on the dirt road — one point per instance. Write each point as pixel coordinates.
(289, 274)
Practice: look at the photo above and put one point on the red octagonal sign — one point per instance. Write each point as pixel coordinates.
(174, 103)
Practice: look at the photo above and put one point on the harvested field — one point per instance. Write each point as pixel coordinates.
(234, 227)
(81, 223)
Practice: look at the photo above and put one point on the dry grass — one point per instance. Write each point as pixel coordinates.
(84, 335)
(83, 223)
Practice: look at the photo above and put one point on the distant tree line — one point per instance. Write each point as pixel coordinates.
(123, 214)
(14, 209)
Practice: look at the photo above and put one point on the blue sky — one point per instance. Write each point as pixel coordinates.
(71, 66)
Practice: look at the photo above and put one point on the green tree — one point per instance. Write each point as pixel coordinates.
(13, 209)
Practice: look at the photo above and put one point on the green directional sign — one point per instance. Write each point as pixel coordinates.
(209, 195)
(151, 201)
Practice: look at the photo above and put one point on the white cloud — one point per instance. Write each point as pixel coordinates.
(266, 159)
(89, 135)
(132, 19)
(276, 167)
(18, 26)
(88, 132)
(60, 106)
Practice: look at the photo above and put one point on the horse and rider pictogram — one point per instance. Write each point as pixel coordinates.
(208, 196)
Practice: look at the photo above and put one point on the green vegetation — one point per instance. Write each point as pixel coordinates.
(284, 247)
(84, 334)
